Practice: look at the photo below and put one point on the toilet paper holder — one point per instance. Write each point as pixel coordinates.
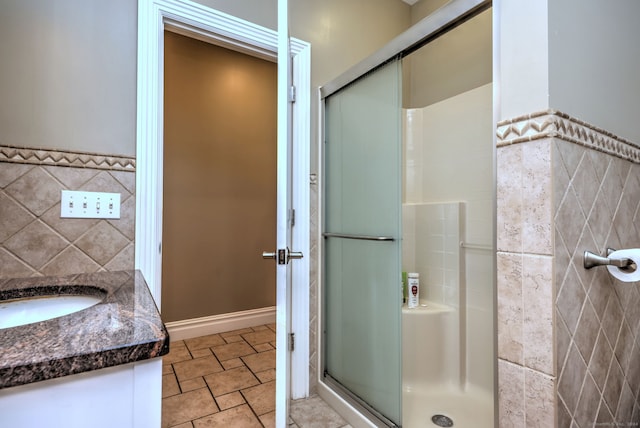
(593, 260)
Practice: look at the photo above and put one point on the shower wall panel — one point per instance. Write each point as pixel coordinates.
(448, 157)
(431, 247)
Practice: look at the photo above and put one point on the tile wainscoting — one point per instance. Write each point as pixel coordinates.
(315, 247)
(35, 241)
(568, 345)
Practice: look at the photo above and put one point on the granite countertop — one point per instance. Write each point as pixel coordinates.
(124, 327)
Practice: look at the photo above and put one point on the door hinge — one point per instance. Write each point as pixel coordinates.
(292, 342)
(292, 94)
(293, 218)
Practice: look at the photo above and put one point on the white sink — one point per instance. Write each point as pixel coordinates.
(29, 310)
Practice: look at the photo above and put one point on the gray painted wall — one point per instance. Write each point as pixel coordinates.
(68, 69)
(68, 75)
(594, 63)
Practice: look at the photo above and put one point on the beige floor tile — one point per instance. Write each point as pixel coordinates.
(232, 339)
(261, 398)
(268, 420)
(235, 332)
(228, 401)
(230, 380)
(257, 337)
(232, 350)
(198, 353)
(187, 407)
(204, 342)
(262, 347)
(191, 384)
(266, 376)
(313, 412)
(235, 374)
(169, 385)
(238, 417)
(196, 367)
(261, 362)
(176, 354)
(232, 363)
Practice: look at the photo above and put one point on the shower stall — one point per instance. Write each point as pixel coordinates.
(408, 173)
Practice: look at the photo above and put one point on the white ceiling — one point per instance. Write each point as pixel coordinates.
(410, 2)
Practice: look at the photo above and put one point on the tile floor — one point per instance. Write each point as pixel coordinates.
(228, 380)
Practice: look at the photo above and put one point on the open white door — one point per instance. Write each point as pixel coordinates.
(282, 255)
(294, 64)
(291, 255)
(293, 197)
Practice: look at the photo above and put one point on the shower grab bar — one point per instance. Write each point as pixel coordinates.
(475, 246)
(360, 237)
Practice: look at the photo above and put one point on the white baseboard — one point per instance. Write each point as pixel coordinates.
(195, 327)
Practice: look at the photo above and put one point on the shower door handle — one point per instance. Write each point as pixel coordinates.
(283, 255)
(359, 237)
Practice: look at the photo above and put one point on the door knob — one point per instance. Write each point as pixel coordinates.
(283, 255)
(294, 255)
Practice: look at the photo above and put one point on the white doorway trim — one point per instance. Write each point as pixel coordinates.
(198, 21)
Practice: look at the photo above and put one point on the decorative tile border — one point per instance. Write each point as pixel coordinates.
(555, 124)
(66, 158)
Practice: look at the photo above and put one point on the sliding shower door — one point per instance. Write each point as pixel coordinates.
(362, 278)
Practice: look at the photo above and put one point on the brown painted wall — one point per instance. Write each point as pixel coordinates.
(219, 180)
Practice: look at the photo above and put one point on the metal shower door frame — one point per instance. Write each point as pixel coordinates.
(449, 16)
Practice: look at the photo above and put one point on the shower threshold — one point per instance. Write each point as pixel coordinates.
(365, 409)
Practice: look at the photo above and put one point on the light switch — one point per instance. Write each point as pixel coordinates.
(76, 204)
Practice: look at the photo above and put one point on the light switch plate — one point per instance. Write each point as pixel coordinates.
(77, 204)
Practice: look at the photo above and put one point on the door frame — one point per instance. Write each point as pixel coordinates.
(203, 23)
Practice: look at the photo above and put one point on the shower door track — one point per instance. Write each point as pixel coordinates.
(448, 17)
(373, 415)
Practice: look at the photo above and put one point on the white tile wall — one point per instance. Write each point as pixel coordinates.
(448, 158)
(431, 247)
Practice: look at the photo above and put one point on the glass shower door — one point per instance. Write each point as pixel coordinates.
(362, 281)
